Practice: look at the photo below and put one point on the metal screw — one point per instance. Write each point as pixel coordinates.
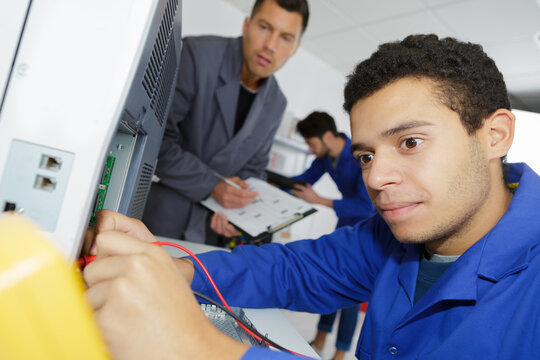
(22, 69)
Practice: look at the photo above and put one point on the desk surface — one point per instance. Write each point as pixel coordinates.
(271, 322)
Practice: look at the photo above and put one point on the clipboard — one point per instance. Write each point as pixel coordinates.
(283, 182)
(272, 210)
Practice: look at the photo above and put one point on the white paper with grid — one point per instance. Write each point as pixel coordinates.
(269, 211)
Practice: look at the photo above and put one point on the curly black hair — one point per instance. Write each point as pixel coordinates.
(466, 78)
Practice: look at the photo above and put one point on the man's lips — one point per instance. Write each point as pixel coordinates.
(263, 60)
(395, 210)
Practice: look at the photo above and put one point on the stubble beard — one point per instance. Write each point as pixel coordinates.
(469, 189)
(325, 151)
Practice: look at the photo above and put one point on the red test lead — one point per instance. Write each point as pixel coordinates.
(85, 260)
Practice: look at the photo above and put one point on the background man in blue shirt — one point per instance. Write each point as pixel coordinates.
(431, 125)
(334, 157)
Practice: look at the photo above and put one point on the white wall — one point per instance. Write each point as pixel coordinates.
(525, 147)
(215, 17)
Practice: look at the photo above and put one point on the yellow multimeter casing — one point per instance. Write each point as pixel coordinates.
(43, 311)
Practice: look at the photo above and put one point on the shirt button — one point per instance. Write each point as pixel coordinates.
(392, 350)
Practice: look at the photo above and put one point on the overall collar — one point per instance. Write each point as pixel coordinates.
(503, 251)
(507, 245)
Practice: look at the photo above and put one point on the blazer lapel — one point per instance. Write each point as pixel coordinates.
(227, 91)
(227, 97)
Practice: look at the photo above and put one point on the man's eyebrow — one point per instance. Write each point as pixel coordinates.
(262, 21)
(358, 147)
(285, 33)
(403, 127)
(390, 132)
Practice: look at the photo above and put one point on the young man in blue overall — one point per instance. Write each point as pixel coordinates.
(450, 264)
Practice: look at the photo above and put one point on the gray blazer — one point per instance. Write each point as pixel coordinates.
(199, 137)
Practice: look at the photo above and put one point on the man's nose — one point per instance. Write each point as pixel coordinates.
(271, 42)
(384, 171)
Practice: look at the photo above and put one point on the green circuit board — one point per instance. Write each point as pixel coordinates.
(102, 188)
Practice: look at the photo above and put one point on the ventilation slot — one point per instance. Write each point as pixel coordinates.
(141, 192)
(160, 99)
(158, 76)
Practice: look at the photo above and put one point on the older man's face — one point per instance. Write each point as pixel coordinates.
(270, 38)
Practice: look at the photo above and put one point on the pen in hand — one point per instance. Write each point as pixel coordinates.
(227, 181)
(232, 192)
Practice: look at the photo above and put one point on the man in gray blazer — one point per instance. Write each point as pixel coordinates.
(225, 113)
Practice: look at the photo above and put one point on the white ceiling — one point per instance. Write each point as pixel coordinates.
(344, 32)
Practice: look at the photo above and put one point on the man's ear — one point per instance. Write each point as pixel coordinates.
(327, 136)
(499, 131)
(244, 27)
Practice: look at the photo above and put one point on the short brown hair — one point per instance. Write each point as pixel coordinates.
(317, 124)
(299, 6)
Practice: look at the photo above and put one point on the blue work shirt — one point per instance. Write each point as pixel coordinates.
(485, 306)
(355, 204)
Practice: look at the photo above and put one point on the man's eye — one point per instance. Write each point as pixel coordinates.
(365, 159)
(411, 143)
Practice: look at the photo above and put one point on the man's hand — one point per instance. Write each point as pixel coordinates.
(108, 220)
(308, 194)
(143, 305)
(221, 225)
(231, 197)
